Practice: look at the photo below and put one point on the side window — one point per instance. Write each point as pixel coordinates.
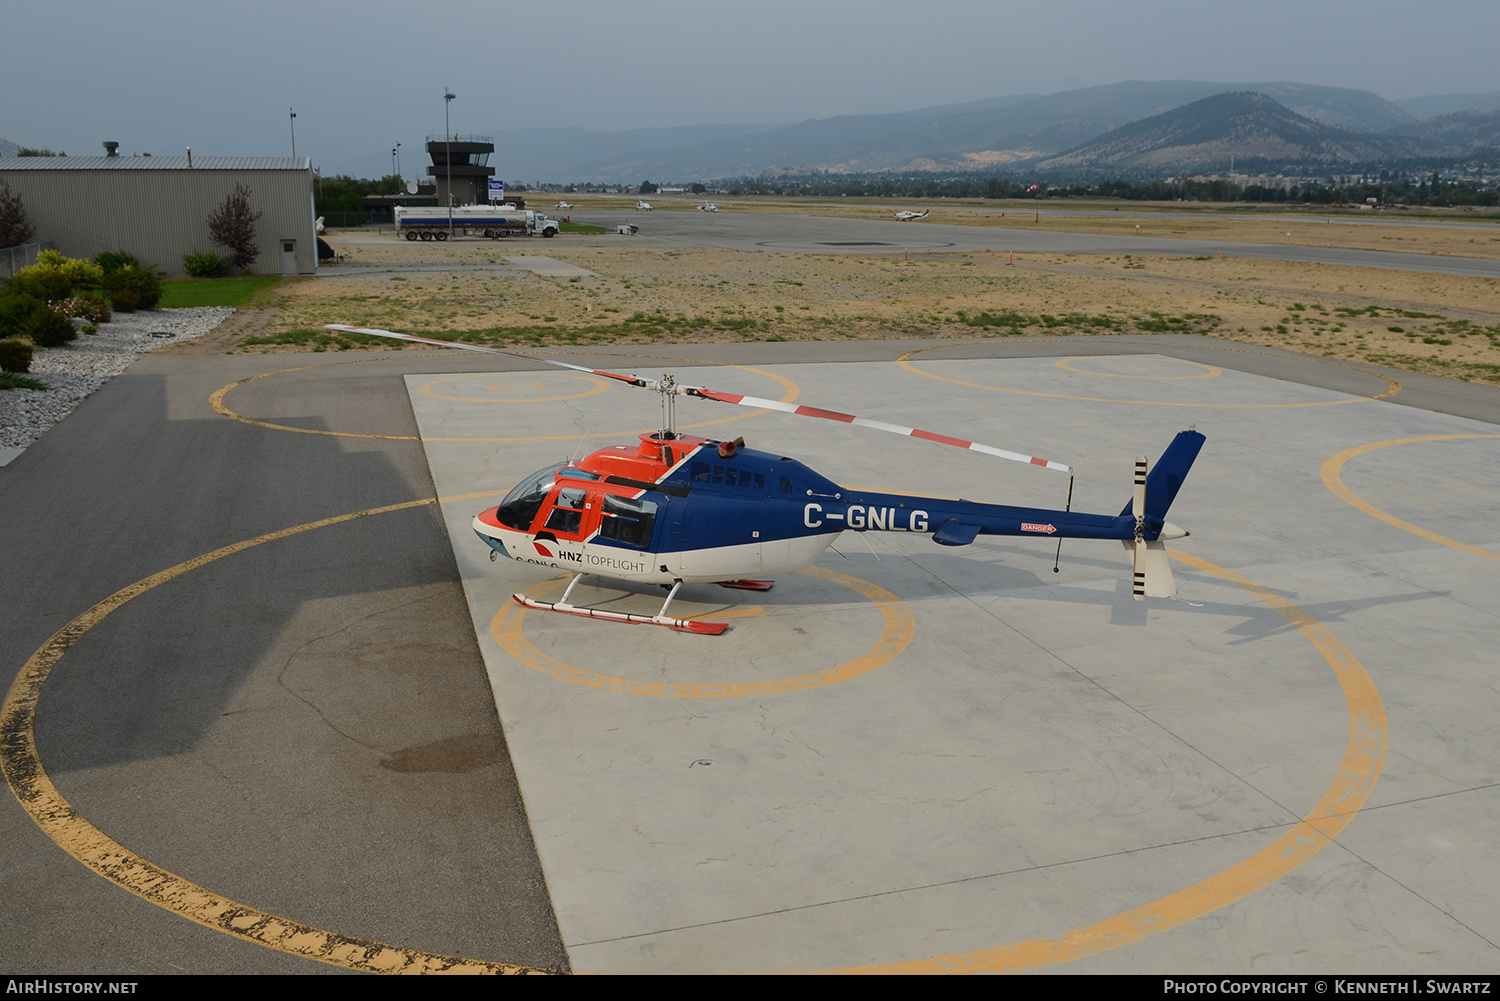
(567, 515)
(628, 521)
(700, 472)
(786, 485)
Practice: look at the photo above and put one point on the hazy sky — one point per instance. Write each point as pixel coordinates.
(158, 75)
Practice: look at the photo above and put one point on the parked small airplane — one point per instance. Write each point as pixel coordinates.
(564, 205)
(643, 206)
(708, 207)
(909, 215)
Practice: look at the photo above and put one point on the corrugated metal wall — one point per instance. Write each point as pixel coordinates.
(159, 215)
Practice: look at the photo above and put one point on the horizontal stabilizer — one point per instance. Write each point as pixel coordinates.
(955, 533)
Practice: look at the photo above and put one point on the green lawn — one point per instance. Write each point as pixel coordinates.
(213, 291)
(578, 227)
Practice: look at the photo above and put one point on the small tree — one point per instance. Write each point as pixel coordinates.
(14, 227)
(232, 226)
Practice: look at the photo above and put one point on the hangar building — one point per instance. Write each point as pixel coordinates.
(157, 207)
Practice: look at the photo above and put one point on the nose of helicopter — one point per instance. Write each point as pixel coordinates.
(487, 527)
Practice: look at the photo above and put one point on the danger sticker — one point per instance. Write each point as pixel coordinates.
(1027, 526)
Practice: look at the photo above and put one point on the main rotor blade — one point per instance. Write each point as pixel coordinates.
(865, 422)
(734, 398)
(633, 380)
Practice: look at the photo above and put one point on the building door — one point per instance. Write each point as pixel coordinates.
(289, 257)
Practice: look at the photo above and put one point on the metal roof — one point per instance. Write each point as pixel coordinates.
(154, 163)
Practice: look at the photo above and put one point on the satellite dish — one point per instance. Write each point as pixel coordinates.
(411, 187)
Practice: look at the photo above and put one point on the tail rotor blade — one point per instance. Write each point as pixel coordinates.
(1138, 502)
(1138, 586)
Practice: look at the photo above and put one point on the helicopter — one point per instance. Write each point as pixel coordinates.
(677, 509)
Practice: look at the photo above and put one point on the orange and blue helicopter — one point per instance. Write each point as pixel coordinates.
(677, 509)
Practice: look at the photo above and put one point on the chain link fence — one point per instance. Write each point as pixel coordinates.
(13, 259)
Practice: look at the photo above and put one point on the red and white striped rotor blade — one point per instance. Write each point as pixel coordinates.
(865, 422)
(633, 380)
(734, 398)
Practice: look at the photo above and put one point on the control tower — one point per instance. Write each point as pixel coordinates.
(466, 160)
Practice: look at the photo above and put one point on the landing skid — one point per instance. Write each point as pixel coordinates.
(748, 585)
(661, 618)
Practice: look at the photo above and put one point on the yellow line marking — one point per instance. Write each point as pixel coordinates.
(1332, 469)
(507, 628)
(216, 400)
(1208, 370)
(600, 385)
(62, 823)
(1395, 387)
(1363, 758)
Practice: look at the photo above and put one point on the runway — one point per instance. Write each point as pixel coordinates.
(306, 729)
(791, 233)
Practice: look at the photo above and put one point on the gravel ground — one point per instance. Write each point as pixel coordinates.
(75, 370)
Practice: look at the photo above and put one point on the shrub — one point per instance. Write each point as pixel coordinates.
(205, 265)
(14, 380)
(48, 329)
(124, 300)
(232, 226)
(91, 308)
(80, 273)
(113, 260)
(95, 308)
(14, 228)
(41, 284)
(15, 312)
(15, 355)
(143, 282)
(88, 328)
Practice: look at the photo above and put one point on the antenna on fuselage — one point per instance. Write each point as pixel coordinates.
(582, 445)
(1069, 507)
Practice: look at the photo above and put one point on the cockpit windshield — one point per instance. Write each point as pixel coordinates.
(520, 506)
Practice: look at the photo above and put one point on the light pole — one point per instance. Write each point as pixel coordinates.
(448, 96)
(398, 159)
(294, 133)
(393, 159)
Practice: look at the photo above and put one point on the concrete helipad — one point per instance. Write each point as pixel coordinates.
(955, 758)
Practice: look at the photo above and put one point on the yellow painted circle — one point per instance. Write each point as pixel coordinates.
(1363, 758)
(1208, 370)
(1332, 469)
(216, 401)
(507, 628)
(1394, 387)
(600, 385)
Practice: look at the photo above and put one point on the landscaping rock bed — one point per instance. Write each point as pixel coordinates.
(76, 369)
